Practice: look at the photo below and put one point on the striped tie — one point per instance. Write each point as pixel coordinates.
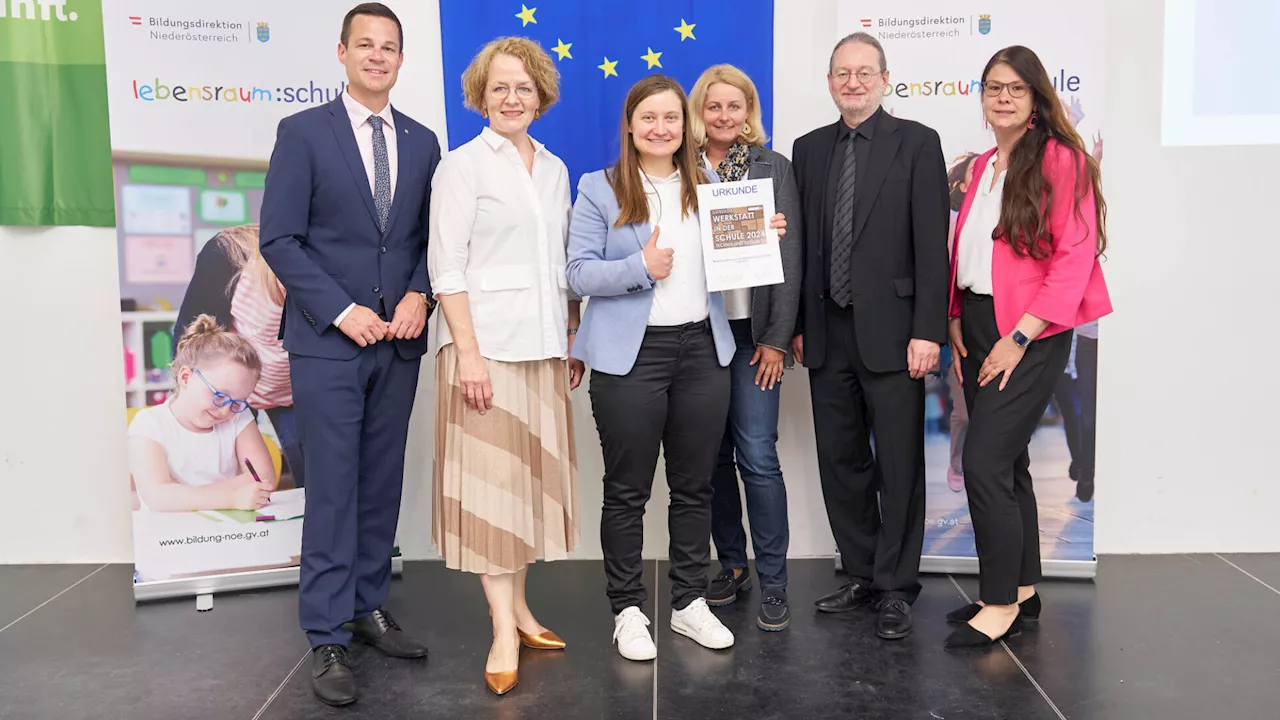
(842, 229)
(381, 173)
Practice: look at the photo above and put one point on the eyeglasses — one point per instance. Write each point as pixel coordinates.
(863, 76)
(221, 399)
(524, 92)
(993, 89)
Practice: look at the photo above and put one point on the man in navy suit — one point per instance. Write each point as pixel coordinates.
(344, 227)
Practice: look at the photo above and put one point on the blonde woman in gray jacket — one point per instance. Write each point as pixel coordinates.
(727, 127)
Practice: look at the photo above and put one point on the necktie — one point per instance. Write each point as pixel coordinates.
(381, 173)
(842, 229)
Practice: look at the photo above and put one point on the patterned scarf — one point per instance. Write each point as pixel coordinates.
(735, 164)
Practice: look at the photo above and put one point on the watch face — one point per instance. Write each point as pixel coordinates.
(1019, 339)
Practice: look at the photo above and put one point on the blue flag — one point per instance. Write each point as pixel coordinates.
(601, 49)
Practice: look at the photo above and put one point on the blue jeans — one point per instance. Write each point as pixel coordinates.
(751, 435)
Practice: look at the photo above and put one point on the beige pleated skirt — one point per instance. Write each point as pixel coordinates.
(505, 483)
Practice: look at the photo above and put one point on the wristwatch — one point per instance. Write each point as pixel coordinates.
(1019, 338)
(425, 299)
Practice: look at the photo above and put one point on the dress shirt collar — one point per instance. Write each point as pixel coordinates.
(494, 140)
(359, 114)
(867, 129)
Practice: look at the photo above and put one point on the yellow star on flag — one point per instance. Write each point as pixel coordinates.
(563, 49)
(608, 67)
(686, 30)
(526, 15)
(652, 59)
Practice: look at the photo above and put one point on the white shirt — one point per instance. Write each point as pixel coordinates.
(973, 270)
(500, 235)
(682, 296)
(359, 116)
(193, 458)
(737, 303)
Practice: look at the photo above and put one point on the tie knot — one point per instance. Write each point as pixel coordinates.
(376, 122)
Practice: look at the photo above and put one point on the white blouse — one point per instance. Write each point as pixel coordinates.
(973, 271)
(499, 234)
(682, 296)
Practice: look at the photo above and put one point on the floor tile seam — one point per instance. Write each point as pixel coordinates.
(55, 597)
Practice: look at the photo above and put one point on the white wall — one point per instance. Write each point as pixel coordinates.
(1183, 459)
(62, 456)
(1187, 455)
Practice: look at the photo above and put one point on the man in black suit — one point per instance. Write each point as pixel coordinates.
(873, 192)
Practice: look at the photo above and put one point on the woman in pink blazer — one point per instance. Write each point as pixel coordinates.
(1025, 273)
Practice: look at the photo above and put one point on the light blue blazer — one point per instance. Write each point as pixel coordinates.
(606, 266)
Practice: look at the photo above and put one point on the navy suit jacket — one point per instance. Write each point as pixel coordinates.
(319, 229)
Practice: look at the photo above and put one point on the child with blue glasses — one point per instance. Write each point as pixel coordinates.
(194, 452)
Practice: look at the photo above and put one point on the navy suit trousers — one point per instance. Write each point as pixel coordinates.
(353, 420)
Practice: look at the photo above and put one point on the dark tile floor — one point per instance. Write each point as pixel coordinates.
(1167, 637)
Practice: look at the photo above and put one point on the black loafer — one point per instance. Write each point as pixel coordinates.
(331, 678)
(379, 630)
(894, 622)
(851, 596)
(775, 614)
(724, 588)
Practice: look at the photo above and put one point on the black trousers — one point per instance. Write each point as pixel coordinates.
(997, 464)
(875, 502)
(677, 398)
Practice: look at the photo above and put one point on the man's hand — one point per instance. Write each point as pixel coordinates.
(364, 326)
(922, 357)
(797, 348)
(409, 319)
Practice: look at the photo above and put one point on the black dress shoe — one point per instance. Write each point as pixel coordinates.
(1084, 488)
(379, 630)
(331, 678)
(1029, 611)
(968, 636)
(851, 596)
(724, 588)
(894, 622)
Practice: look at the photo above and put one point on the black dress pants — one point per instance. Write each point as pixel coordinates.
(875, 502)
(997, 474)
(676, 397)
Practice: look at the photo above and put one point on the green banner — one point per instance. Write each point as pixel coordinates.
(55, 140)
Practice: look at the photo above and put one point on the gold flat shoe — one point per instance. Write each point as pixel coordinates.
(501, 682)
(542, 641)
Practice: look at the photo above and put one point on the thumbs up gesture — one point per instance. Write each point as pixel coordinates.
(657, 260)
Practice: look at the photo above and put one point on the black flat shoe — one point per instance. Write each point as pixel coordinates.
(331, 678)
(775, 613)
(851, 596)
(1028, 611)
(968, 636)
(379, 630)
(724, 588)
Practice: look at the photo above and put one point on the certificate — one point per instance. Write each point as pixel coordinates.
(739, 250)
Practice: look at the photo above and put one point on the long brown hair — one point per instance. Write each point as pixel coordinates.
(1024, 211)
(626, 180)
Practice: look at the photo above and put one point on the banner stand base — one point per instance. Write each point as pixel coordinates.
(206, 587)
(1074, 569)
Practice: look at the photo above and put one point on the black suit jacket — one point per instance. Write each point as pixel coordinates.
(899, 265)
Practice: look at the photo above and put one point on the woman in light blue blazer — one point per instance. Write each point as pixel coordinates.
(658, 345)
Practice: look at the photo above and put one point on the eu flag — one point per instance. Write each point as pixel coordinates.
(601, 49)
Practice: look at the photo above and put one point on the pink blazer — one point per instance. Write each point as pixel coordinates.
(1067, 288)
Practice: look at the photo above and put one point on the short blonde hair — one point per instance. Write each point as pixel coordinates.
(728, 75)
(536, 61)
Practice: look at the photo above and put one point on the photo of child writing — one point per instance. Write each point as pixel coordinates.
(194, 451)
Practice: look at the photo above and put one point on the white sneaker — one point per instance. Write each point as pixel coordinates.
(633, 640)
(698, 624)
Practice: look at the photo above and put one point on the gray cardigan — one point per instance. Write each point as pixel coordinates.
(774, 308)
